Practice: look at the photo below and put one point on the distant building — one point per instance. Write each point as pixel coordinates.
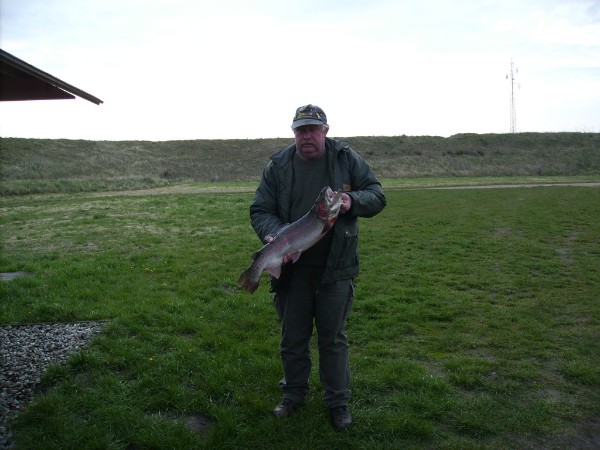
(22, 81)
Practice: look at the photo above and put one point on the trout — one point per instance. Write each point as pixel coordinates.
(293, 239)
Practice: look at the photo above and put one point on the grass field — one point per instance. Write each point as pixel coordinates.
(475, 324)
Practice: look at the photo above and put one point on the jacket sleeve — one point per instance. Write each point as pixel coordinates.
(367, 194)
(264, 210)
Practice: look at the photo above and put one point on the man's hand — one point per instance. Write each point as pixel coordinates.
(346, 203)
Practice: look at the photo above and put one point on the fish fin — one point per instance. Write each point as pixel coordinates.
(295, 256)
(245, 281)
(274, 270)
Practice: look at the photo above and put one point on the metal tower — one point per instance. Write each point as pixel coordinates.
(513, 113)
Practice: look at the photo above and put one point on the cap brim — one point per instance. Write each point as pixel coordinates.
(301, 123)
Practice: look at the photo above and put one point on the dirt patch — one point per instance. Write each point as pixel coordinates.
(502, 231)
(9, 276)
(198, 423)
(565, 252)
(583, 436)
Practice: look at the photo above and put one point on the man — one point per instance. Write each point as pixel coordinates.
(319, 286)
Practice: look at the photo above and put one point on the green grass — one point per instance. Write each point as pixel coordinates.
(475, 323)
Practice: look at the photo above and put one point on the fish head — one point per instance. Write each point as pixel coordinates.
(328, 205)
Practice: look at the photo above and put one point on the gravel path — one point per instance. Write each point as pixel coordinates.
(25, 353)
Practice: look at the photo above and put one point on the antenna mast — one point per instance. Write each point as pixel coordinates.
(513, 113)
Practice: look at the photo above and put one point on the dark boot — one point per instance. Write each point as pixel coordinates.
(285, 408)
(340, 417)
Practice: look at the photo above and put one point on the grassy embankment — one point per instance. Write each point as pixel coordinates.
(39, 165)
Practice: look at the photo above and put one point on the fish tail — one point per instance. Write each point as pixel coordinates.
(246, 281)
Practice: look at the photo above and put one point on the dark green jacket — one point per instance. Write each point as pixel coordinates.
(348, 171)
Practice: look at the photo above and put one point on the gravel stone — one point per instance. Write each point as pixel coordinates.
(26, 351)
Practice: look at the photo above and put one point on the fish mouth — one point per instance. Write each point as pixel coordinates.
(335, 203)
(333, 197)
(330, 203)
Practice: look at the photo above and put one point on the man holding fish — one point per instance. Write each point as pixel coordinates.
(313, 256)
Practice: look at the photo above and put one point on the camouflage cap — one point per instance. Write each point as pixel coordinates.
(309, 115)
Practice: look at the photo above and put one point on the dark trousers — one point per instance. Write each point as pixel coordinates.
(301, 302)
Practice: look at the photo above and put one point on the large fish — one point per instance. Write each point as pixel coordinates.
(294, 239)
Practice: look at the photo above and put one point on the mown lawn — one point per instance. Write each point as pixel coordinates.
(475, 324)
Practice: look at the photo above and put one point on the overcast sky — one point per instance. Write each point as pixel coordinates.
(211, 69)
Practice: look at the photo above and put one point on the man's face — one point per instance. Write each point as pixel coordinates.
(310, 141)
